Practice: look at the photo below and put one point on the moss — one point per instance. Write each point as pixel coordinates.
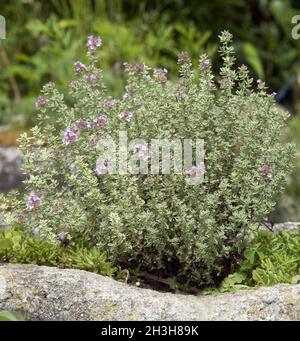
(15, 247)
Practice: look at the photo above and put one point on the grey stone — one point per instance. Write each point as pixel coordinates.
(44, 293)
(288, 226)
(11, 176)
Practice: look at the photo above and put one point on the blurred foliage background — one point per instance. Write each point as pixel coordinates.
(44, 38)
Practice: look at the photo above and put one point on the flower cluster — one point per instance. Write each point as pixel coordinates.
(41, 102)
(34, 201)
(161, 75)
(138, 67)
(99, 122)
(126, 115)
(70, 135)
(93, 43)
(266, 171)
(103, 168)
(184, 58)
(79, 67)
(90, 79)
(196, 171)
(110, 102)
(82, 124)
(142, 150)
(204, 62)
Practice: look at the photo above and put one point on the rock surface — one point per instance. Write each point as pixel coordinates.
(44, 293)
(288, 226)
(11, 176)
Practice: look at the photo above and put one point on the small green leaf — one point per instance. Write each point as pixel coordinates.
(6, 244)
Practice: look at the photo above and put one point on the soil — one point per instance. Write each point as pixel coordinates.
(9, 138)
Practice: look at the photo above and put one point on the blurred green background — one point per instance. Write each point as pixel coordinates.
(44, 38)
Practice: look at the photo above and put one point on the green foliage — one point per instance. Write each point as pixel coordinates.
(16, 247)
(268, 259)
(157, 224)
(45, 35)
(10, 316)
(272, 258)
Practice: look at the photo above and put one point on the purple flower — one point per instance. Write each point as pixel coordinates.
(82, 124)
(93, 43)
(224, 82)
(161, 75)
(57, 153)
(205, 63)
(126, 96)
(79, 67)
(70, 136)
(34, 201)
(183, 58)
(126, 115)
(266, 171)
(90, 79)
(72, 84)
(41, 101)
(138, 67)
(142, 151)
(62, 235)
(99, 122)
(148, 179)
(102, 168)
(110, 102)
(65, 238)
(180, 94)
(196, 171)
(192, 171)
(50, 85)
(92, 143)
(21, 218)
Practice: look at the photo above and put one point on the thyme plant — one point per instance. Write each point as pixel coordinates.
(158, 224)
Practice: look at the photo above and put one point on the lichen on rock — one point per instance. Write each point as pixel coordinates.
(44, 293)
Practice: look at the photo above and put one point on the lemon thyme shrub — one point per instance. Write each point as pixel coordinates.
(157, 224)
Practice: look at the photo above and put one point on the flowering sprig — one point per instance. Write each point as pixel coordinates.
(142, 151)
(34, 201)
(266, 171)
(103, 168)
(70, 136)
(41, 102)
(93, 43)
(99, 122)
(126, 115)
(79, 67)
(160, 75)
